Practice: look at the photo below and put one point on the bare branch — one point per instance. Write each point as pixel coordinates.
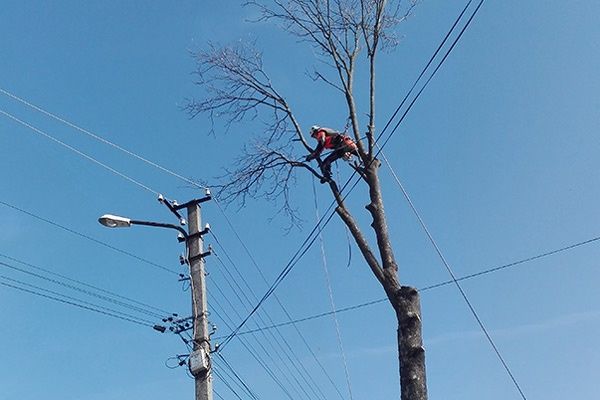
(263, 171)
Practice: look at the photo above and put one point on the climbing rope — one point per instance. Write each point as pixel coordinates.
(330, 291)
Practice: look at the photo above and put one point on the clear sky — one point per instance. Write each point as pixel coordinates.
(499, 154)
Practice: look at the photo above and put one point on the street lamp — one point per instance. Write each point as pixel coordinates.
(115, 221)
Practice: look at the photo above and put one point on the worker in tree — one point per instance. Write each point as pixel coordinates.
(342, 146)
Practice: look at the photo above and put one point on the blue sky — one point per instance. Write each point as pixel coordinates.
(499, 155)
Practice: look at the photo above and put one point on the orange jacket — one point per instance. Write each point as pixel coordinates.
(330, 139)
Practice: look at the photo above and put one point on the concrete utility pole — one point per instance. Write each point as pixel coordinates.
(200, 365)
(199, 360)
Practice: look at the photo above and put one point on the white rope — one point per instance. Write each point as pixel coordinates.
(82, 154)
(330, 291)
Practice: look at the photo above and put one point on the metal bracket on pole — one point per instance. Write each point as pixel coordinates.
(202, 255)
(201, 233)
(193, 202)
(171, 206)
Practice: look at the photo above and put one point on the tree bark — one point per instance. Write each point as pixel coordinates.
(411, 353)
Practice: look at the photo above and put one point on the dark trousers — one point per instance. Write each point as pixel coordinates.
(335, 155)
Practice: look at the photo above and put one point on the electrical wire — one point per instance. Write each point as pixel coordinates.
(84, 291)
(297, 256)
(300, 253)
(95, 137)
(86, 285)
(218, 395)
(455, 280)
(288, 350)
(291, 375)
(102, 140)
(79, 152)
(251, 291)
(87, 237)
(82, 306)
(281, 305)
(513, 264)
(226, 383)
(99, 138)
(321, 315)
(251, 350)
(52, 292)
(424, 70)
(237, 376)
(430, 287)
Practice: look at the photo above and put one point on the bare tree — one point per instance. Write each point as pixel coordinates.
(237, 88)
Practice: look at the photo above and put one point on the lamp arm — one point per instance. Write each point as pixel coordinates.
(161, 225)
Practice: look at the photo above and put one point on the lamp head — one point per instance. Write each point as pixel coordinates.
(114, 221)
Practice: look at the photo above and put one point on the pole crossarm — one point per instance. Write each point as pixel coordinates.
(192, 202)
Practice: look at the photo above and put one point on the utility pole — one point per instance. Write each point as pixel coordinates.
(200, 365)
(199, 360)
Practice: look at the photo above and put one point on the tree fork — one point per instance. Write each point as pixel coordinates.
(410, 344)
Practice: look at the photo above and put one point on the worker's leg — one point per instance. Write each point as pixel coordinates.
(326, 166)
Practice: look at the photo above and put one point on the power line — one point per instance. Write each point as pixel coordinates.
(237, 376)
(434, 71)
(287, 269)
(514, 263)
(424, 70)
(74, 299)
(254, 354)
(427, 288)
(456, 282)
(291, 375)
(226, 383)
(300, 253)
(79, 152)
(95, 137)
(316, 316)
(87, 237)
(106, 142)
(288, 350)
(122, 304)
(99, 138)
(82, 306)
(283, 308)
(145, 310)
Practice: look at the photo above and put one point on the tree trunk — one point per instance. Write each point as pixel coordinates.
(411, 353)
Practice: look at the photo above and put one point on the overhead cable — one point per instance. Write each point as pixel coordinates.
(456, 282)
(99, 138)
(87, 237)
(79, 152)
(287, 350)
(147, 309)
(427, 288)
(82, 306)
(307, 345)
